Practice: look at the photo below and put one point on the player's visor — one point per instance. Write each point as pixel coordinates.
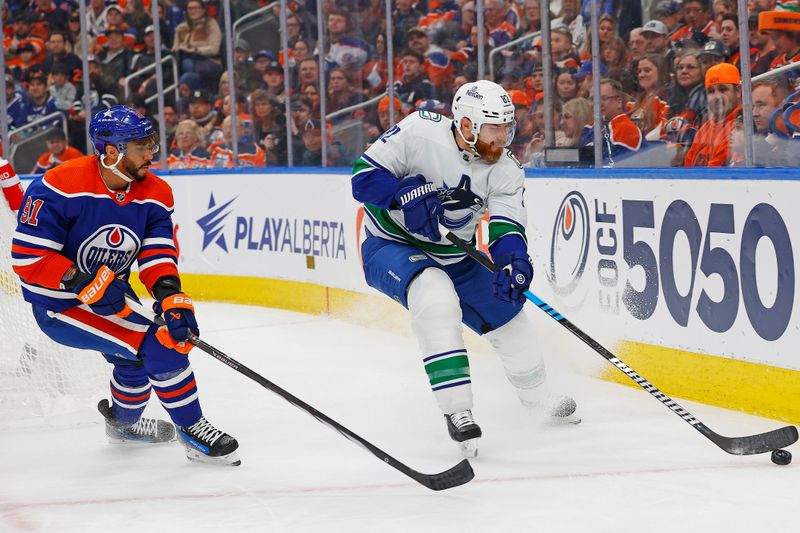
(142, 146)
(498, 132)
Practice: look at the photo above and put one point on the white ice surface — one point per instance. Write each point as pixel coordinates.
(632, 465)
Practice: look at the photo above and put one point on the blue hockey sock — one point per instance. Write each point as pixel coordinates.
(130, 391)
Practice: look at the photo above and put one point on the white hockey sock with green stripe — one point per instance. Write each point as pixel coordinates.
(436, 321)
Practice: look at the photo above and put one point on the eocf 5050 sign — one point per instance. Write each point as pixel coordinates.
(738, 273)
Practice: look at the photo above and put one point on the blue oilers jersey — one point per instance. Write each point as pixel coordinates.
(69, 217)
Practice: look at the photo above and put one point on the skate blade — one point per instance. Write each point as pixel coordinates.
(134, 442)
(468, 448)
(195, 456)
(117, 440)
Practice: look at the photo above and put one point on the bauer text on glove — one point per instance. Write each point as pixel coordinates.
(104, 292)
(178, 313)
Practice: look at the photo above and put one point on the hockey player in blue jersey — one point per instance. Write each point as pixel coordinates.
(80, 229)
(428, 170)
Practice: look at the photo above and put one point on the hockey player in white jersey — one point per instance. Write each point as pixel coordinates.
(428, 170)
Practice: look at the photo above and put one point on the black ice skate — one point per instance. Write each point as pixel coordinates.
(206, 444)
(146, 430)
(464, 431)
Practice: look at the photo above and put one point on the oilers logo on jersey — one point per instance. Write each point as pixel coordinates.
(113, 245)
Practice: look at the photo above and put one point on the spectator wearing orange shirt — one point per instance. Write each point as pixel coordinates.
(250, 154)
(699, 24)
(495, 12)
(189, 152)
(784, 29)
(649, 111)
(58, 151)
(711, 145)
(115, 19)
(620, 136)
(22, 26)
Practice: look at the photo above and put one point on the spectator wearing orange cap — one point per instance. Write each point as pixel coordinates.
(383, 112)
(522, 114)
(784, 29)
(711, 145)
(378, 122)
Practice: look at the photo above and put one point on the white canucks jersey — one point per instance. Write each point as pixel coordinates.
(424, 143)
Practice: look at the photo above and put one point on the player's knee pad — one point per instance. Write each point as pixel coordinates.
(435, 311)
(516, 344)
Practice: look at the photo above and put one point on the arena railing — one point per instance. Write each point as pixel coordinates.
(251, 20)
(28, 141)
(510, 44)
(777, 71)
(126, 88)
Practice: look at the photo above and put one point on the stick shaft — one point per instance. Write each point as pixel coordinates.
(455, 476)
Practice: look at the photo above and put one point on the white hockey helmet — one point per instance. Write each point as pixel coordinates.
(483, 102)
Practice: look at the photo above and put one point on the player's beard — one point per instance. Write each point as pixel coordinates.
(488, 152)
(137, 173)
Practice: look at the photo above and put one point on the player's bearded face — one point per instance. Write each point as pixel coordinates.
(492, 140)
(138, 159)
(489, 151)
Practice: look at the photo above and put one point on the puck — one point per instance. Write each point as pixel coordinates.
(781, 457)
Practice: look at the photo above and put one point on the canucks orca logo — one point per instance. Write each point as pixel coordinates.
(212, 224)
(459, 198)
(113, 245)
(569, 248)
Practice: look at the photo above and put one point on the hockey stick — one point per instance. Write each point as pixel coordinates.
(455, 476)
(748, 445)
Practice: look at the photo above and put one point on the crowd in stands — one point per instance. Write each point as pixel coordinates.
(670, 92)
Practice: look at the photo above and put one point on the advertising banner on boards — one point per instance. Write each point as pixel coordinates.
(300, 227)
(703, 266)
(706, 266)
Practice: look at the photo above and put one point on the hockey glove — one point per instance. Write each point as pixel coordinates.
(421, 206)
(513, 280)
(104, 293)
(178, 313)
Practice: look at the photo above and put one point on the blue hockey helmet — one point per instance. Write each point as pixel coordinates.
(117, 126)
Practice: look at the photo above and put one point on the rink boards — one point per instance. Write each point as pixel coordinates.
(690, 281)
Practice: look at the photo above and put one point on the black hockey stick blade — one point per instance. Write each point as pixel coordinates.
(753, 444)
(747, 445)
(458, 475)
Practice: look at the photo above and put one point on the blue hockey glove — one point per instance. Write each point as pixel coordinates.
(104, 292)
(421, 206)
(513, 280)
